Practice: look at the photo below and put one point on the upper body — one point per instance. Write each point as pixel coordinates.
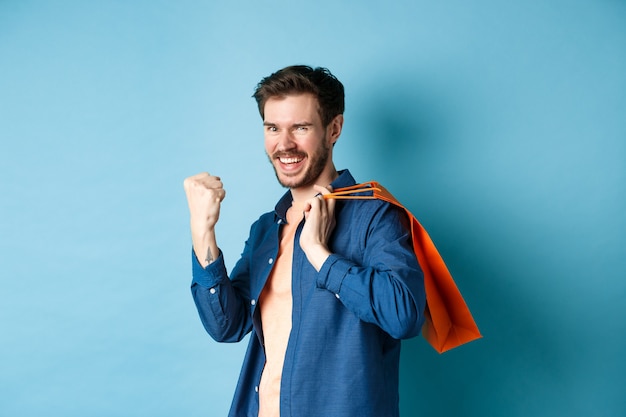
(343, 351)
(326, 287)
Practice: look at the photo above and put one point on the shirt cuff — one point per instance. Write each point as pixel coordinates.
(210, 276)
(333, 272)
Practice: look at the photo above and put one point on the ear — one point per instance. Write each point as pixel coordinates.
(334, 129)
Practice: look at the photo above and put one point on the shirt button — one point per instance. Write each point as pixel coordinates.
(212, 291)
(270, 261)
(253, 302)
(337, 295)
(256, 389)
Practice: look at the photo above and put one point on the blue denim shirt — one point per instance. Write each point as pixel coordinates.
(343, 352)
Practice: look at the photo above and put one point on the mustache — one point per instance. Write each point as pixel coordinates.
(288, 154)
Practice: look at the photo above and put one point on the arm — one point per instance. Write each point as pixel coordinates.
(220, 303)
(381, 282)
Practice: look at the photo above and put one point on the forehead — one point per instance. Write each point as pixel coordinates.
(292, 108)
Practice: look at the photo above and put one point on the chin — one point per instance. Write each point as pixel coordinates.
(290, 181)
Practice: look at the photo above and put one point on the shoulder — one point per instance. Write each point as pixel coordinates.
(356, 209)
(369, 215)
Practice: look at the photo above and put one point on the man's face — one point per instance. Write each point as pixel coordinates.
(295, 140)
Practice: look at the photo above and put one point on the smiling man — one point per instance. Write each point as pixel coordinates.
(327, 288)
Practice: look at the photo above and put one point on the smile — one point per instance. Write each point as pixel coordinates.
(291, 160)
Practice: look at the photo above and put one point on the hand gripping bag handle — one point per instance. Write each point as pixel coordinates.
(449, 323)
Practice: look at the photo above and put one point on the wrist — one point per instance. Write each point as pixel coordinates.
(205, 247)
(317, 255)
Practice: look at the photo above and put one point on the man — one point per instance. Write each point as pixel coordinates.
(327, 288)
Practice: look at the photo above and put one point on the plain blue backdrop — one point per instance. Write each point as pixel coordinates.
(501, 125)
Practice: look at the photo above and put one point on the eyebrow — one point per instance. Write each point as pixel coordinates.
(303, 124)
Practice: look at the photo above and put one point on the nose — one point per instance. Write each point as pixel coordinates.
(285, 141)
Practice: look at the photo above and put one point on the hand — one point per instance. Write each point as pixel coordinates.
(205, 193)
(319, 215)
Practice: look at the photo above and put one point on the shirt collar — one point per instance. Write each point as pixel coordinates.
(344, 179)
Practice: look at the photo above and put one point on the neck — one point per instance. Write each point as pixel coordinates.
(306, 192)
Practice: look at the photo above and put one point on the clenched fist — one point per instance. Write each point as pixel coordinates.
(319, 225)
(205, 193)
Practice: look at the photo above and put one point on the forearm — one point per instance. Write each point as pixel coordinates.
(317, 255)
(393, 299)
(374, 270)
(204, 245)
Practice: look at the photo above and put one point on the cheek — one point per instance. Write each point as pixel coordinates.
(269, 144)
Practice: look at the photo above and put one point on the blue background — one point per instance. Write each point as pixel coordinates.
(501, 125)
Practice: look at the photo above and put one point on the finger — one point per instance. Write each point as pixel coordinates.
(329, 203)
(314, 207)
(214, 182)
(200, 176)
(311, 204)
(208, 181)
(322, 207)
(203, 178)
(193, 180)
(322, 190)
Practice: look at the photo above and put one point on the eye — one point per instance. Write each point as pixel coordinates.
(272, 129)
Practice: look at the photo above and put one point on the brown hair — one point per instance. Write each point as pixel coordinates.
(299, 79)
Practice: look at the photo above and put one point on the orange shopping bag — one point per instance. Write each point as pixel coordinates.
(449, 322)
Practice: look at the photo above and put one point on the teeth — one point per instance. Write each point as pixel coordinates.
(290, 160)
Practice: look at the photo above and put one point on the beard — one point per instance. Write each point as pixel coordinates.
(316, 163)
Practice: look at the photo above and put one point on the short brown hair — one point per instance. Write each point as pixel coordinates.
(299, 79)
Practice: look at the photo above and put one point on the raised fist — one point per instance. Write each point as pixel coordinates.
(205, 193)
